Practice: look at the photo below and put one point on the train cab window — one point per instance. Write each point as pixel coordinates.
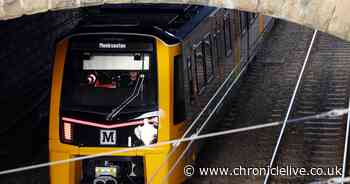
(209, 63)
(179, 114)
(99, 82)
(227, 34)
(199, 68)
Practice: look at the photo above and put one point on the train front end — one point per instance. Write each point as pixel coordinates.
(110, 92)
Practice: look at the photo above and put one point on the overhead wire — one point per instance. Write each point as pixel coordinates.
(329, 114)
(282, 131)
(346, 142)
(203, 125)
(190, 128)
(196, 136)
(334, 180)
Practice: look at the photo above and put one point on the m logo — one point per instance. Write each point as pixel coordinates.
(108, 137)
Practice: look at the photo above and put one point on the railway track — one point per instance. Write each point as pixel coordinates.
(264, 97)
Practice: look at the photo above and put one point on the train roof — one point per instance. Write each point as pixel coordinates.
(169, 22)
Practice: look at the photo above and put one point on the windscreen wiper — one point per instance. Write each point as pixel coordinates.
(130, 99)
(137, 89)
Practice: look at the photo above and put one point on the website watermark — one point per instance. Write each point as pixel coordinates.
(190, 170)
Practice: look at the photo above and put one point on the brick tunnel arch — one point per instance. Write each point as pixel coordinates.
(19, 53)
(328, 15)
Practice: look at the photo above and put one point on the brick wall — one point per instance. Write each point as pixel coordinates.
(26, 55)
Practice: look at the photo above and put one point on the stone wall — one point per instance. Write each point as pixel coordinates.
(326, 15)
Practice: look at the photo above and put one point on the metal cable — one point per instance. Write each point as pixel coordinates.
(329, 114)
(290, 107)
(342, 179)
(335, 180)
(346, 145)
(172, 151)
(203, 125)
(192, 125)
(126, 100)
(130, 100)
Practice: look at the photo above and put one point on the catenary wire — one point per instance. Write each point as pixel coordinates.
(329, 114)
(282, 131)
(188, 130)
(346, 144)
(203, 125)
(335, 180)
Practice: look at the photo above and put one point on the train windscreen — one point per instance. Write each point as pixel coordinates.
(105, 82)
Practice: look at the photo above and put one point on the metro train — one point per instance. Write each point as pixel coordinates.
(138, 74)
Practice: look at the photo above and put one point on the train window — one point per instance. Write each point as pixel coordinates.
(244, 21)
(92, 80)
(113, 71)
(179, 112)
(208, 52)
(252, 17)
(218, 41)
(227, 35)
(190, 77)
(215, 48)
(199, 68)
(116, 62)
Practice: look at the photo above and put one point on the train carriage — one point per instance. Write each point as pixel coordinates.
(134, 75)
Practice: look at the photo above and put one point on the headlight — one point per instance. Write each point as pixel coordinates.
(67, 132)
(106, 171)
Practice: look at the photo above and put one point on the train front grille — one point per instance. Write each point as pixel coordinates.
(113, 170)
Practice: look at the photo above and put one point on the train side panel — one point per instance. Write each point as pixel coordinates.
(228, 40)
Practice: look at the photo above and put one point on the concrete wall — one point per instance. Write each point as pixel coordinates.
(326, 15)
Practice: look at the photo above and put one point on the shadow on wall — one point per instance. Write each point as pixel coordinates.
(26, 52)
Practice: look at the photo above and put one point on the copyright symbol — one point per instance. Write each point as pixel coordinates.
(188, 170)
